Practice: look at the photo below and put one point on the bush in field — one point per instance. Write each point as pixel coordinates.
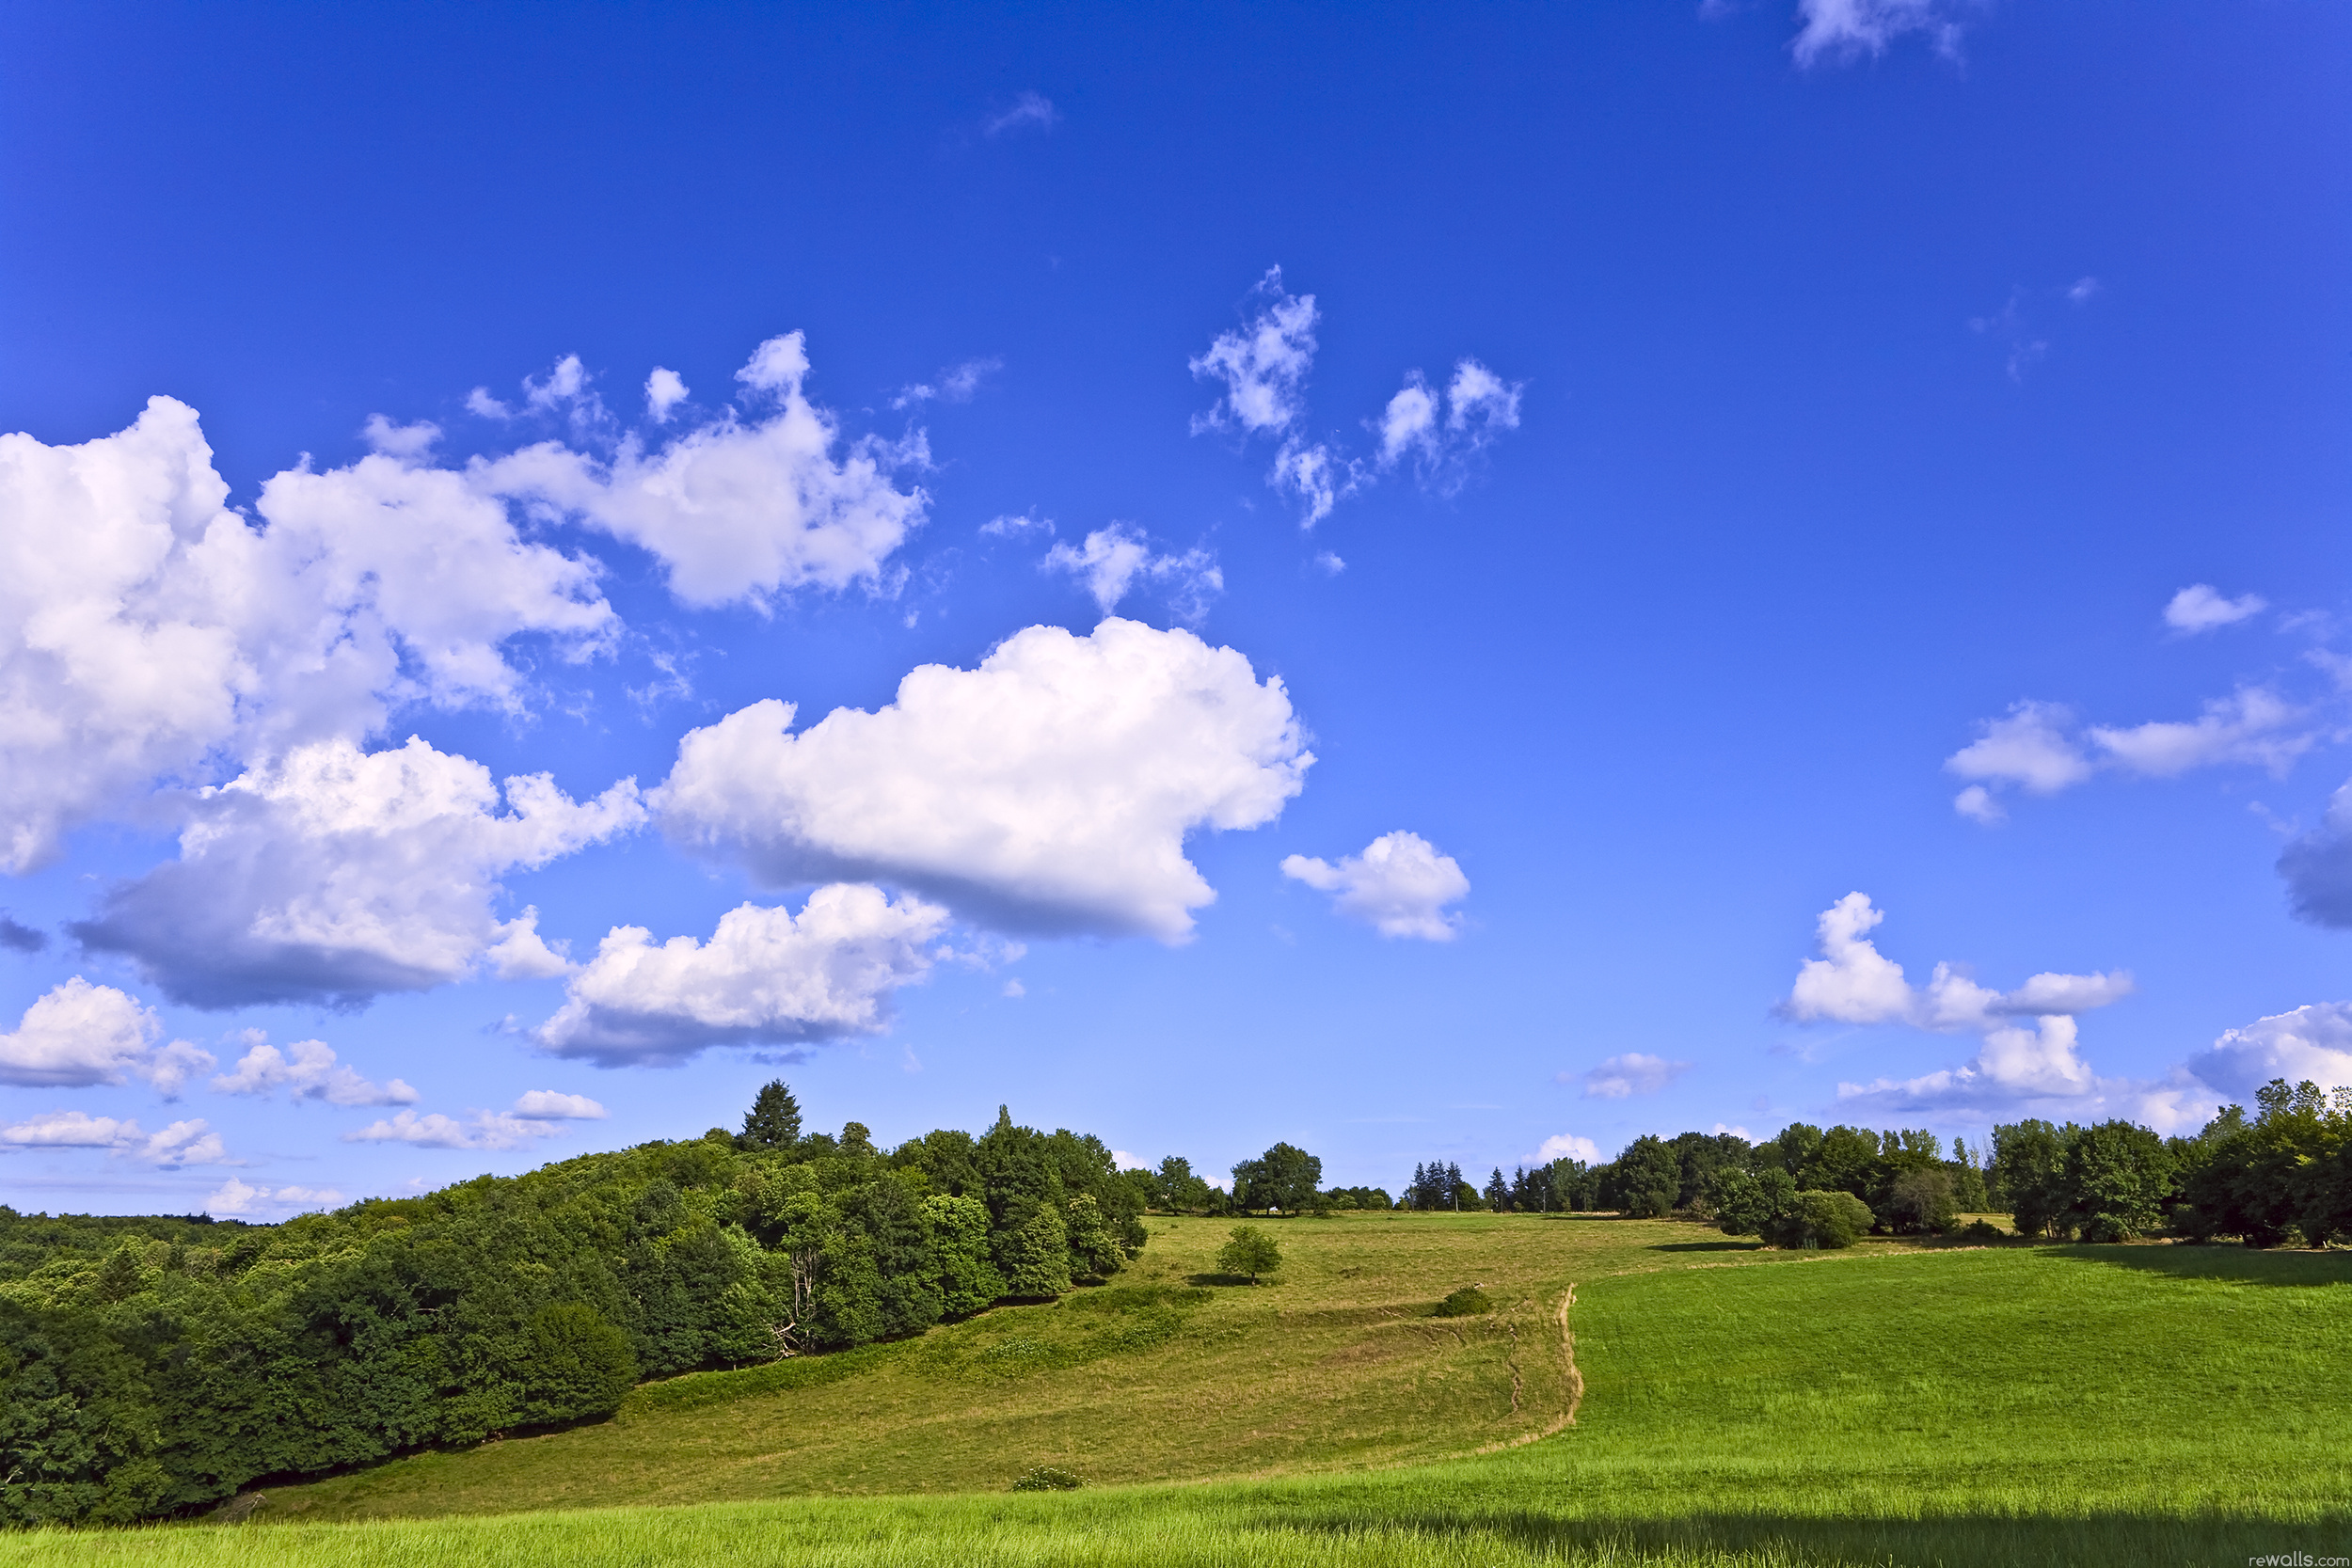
(1047, 1478)
(1251, 1252)
(1825, 1220)
(1468, 1302)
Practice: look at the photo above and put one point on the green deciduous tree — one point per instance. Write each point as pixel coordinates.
(1251, 1252)
(1285, 1177)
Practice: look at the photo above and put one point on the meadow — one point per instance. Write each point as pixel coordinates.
(1894, 1403)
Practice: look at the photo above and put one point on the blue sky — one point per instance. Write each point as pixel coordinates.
(1578, 494)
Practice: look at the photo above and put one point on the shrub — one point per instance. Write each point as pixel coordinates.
(1047, 1478)
(1922, 1202)
(1826, 1220)
(1468, 1302)
(1980, 1231)
(1251, 1252)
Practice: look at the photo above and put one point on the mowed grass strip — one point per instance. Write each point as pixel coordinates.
(2027, 1405)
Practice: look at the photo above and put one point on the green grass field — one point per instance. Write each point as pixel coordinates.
(2006, 1404)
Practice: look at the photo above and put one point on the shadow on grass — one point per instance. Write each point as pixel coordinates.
(1987, 1538)
(2238, 1264)
(1204, 1280)
(1706, 1246)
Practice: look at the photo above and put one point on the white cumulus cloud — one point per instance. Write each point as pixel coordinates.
(1568, 1146)
(307, 1070)
(738, 510)
(664, 390)
(1400, 885)
(236, 1197)
(149, 628)
(1113, 560)
(765, 976)
(334, 873)
(2313, 1042)
(184, 1143)
(550, 1105)
(1049, 790)
(77, 1034)
(2030, 1049)
(2200, 607)
(485, 1130)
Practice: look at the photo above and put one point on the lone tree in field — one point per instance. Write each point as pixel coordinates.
(1250, 1252)
(773, 1120)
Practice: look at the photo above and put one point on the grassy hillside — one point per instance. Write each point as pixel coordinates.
(2058, 1404)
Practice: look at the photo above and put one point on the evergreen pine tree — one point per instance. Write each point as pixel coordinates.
(1453, 1185)
(773, 1120)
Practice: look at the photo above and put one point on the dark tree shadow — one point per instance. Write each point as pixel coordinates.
(1706, 1246)
(2238, 1264)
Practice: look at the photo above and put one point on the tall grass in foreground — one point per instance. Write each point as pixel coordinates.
(1231, 1527)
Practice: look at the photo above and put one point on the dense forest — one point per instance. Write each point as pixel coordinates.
(154, 1364)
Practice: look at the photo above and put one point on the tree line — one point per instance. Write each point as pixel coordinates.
(153, 1366)
(2279, 1177)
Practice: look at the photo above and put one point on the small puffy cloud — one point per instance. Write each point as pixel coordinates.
(1262, 363)
(1011, 526)
(1622, 1077)
(1014, 991)
(1441, 431)
(1400, 886)
(1410, 424)
(78, 1035)
(1852, 982)
(150, 630)
(333, 874)
(307, 1070)
(1833, 32)
(1479, 405)
(1030, 108)
(1115, 558)
(1122, 1160)
(21, 939)
(549, 1105)
(1568, 1146)
(2252, 726)
(1980, 805)
(184, 1143)
(480, 404)
(2082, 290)
(407, 443)
(2313, 1042)
(664, 390)
(487, 1130)
(1049, 790)
(765, 976)
(2032, 747)
(238, 1198)
(737, 512)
